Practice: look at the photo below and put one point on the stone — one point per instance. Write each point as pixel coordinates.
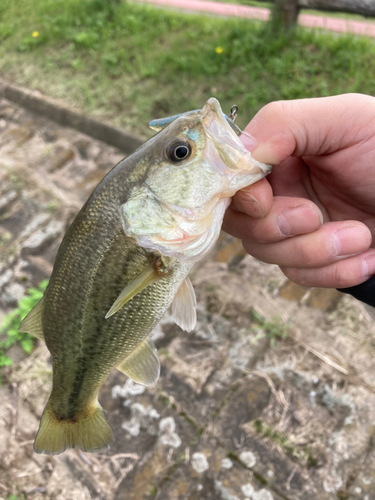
(229, 250)
(33, 225)
(21, 134)
(50, 134)
(248, 458)
(60, 157)
(36, 268)
(42, 238)
(12, 294)
(202, 477)
(7, 199)
(83, 145)
(325, 299)
(248, 490)
(292, 291)
(199, 462)
(6, 277)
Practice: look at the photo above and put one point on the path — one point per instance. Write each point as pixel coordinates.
(262, 14)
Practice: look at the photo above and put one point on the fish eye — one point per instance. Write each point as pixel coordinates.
(179, 151)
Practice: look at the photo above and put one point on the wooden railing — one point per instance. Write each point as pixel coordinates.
(286, 11)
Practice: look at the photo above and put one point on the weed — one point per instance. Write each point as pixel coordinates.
(274, 330)
(52, 205)
(303, 453)
(12, 321)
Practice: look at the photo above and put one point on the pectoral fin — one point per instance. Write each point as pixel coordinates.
(145, 279)
(184, 306)
(32, 324)
(142, 365)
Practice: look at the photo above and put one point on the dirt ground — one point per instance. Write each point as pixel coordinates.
(271, 397)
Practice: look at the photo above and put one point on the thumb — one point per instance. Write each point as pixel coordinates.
(308, 127)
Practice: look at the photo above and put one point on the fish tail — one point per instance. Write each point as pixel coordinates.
(90, 432)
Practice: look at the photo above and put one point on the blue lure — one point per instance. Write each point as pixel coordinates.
(160, 123)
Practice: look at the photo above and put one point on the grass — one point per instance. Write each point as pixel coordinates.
(131, 63)
(304, 454)
(274, 330)
(11, 322)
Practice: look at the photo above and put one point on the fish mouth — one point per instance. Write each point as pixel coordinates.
(228, 155)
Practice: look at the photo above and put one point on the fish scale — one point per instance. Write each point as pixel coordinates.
(125, 259)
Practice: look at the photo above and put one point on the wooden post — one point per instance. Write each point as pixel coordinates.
(285, 14)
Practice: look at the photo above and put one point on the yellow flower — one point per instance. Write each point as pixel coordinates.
(35, 34)
(219, 50)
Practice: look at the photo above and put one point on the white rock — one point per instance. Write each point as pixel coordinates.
(142, 417)
(225, 493)
(247, 490)
(129, 388)
(262, 495)
(168, 436)
(248, 458)
(226, 463)
(199, 462)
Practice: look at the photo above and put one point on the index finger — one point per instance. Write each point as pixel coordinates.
(309, 127)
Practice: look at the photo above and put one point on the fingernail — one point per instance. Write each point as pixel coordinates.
(248, 141)
(264, 153)
(368, 266)
(256, 208)
(351, 240)
(246, 203)
(299, 220)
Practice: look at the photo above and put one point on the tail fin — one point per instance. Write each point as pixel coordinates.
(90, 432)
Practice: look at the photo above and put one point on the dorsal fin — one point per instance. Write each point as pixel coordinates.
(184, 306)
(32, 324)
(142, 365)
(160, 123)
(146, 278)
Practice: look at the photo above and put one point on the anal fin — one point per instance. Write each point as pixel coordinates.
(32, 324)
(142, 365)
(184, 306)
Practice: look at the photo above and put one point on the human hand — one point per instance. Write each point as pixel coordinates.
(314, 215)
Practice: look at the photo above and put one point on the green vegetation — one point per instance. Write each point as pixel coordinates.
(12, 321)
(131, 63)
(274, 330)
(303, 453)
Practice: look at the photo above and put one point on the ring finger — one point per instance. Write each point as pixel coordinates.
(330, 243)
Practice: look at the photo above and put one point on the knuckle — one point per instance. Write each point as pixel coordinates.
(298, 276)
(341, 275)
(303, 253)
(272, 110)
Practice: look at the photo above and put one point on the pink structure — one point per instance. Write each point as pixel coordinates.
(262, 14)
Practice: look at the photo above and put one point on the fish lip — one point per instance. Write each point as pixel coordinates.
(216, 125)
(212, 105)
(226, 140)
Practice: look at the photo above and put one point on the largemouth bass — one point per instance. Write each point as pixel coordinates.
(125, 259)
